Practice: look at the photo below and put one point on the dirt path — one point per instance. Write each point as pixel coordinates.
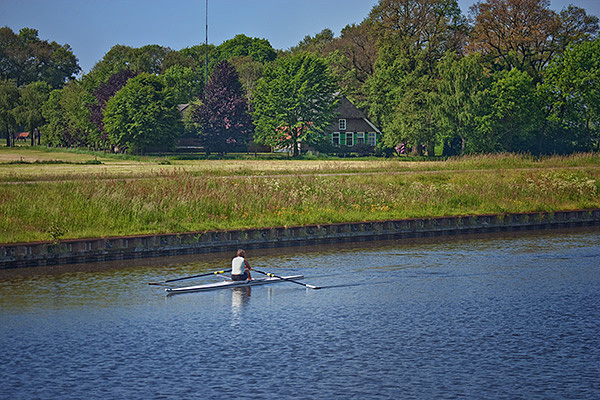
(275, 176)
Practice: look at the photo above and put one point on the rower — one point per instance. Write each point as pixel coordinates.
(240, 268)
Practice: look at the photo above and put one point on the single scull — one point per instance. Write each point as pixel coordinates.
(232, 284)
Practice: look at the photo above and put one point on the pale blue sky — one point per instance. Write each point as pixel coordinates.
(92, 27)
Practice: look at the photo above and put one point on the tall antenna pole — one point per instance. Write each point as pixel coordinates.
(206, 50)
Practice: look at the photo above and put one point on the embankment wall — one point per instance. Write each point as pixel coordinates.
(131, 247)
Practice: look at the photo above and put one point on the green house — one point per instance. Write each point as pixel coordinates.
(352, 127)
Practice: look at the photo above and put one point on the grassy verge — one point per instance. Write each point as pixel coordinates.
(212, 195)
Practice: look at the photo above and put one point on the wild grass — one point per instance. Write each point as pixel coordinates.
(181, 201)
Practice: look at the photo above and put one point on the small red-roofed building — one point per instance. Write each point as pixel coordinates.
(22, 136)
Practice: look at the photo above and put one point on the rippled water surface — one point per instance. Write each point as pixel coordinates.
(480, 317)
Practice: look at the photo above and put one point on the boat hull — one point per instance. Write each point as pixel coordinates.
(230, 284)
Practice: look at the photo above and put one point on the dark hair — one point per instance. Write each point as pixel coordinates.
(241, 253)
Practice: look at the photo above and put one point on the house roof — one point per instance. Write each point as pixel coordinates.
(348, 110)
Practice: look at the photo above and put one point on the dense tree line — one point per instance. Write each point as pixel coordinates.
(512, 75)
(29, 69)
(430, 77)
(127, 101)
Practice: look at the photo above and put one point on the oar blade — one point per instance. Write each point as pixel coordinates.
(289, 280)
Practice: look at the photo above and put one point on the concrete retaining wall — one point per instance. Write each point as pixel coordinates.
(122, 248)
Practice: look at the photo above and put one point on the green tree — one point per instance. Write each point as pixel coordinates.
(294, 102)
(143, 115)
(53, 132)
(318, 44)
(351, 57)
(194, 56)
(114, 61)
(150, 59)
(573, 81)
(68, 118)
(400, 95)
(242, 45)
(249, 72)
(186, 83)
(413, 36)
(459, 99)
(9, 98)
(514, 115)
(25, 58)
(248, 56)
(102, 95)
(29, 112)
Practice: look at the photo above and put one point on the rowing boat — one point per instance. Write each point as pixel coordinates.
(232, 284)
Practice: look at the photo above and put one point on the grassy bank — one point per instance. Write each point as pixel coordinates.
(82, 200)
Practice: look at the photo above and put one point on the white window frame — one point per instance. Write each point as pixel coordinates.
(360, 138)
(342, 124)
(335, 136)
(372, 139)
(350, 135)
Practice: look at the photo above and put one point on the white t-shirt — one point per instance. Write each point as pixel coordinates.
(237, 266)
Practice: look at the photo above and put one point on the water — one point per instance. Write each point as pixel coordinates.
(480, 317)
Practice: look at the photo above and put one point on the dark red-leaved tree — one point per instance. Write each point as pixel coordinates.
(223, 116)
(103, 93)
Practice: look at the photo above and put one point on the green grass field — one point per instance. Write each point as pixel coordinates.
(56, 195)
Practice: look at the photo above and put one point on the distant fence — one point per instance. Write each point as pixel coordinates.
(131, 247)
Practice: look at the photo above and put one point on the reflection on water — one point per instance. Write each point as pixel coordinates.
(511, 316)
(240, 298)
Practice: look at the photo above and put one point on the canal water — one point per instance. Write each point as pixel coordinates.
(479, 317)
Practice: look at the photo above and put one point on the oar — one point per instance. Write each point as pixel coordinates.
(285, 279)
(189, 277)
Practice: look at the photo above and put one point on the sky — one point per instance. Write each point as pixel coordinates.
(92, 27)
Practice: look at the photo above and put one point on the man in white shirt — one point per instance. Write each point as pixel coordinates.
(240, 268)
